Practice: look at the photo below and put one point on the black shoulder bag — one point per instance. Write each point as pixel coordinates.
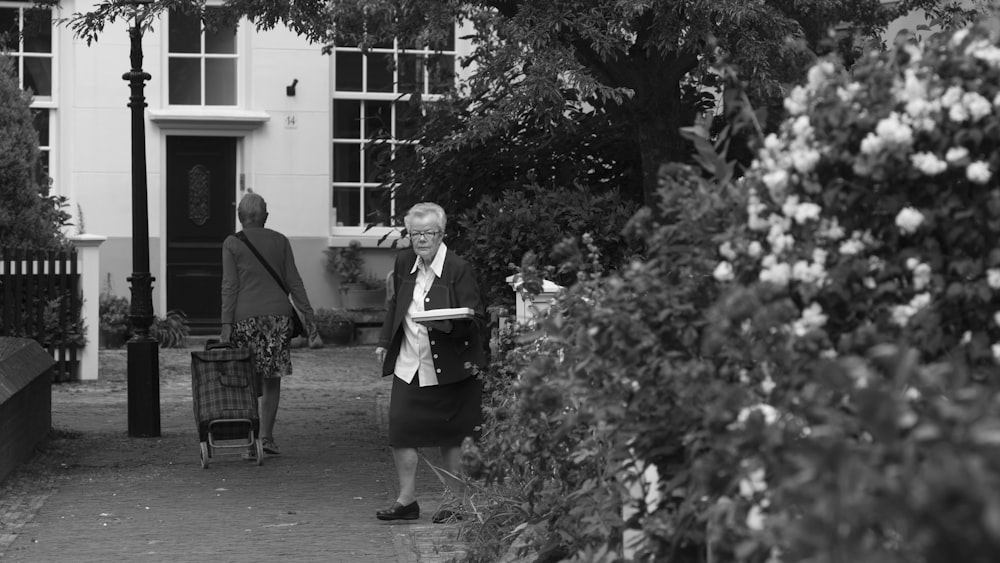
(297, 327)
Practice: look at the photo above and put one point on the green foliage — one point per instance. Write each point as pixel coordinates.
(171, 331)
(498, 232)
(29, 216)
(114, 316)
(805, 368)
(346, 262)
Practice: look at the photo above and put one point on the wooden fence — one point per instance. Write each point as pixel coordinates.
(42, 300)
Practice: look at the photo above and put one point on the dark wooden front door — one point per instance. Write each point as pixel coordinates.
(201, 195)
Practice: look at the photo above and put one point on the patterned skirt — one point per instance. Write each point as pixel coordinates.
(267, 337)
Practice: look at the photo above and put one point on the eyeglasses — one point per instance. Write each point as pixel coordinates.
(425, 235)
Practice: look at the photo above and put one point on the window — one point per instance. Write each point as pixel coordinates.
(201, 66)
(26, 36)
(373, 121)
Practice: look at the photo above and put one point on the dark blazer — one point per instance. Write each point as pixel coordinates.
(455, 345)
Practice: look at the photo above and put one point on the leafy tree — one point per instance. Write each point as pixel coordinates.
(29, 216)
(648, 66)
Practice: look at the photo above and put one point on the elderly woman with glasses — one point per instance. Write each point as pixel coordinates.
(436, 398)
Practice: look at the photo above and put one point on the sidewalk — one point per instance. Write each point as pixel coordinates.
(95, 494)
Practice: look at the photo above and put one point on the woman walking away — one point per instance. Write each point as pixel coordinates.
(256, 313)
(436, 398)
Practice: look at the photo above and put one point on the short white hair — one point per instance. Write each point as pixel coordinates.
(252, 208)
(424, 209)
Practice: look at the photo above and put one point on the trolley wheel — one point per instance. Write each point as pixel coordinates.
(204, 455)
(260, 452)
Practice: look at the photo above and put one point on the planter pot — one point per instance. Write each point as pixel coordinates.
(336, 332)
(111, 339)
(358, 298)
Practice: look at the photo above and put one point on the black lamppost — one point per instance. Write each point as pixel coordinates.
(143, 349)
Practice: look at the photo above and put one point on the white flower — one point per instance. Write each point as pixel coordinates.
(914, 89)
(790, 205)
(830, 229)
(993, 278)
(797, 101)
(772, 142)
(959, 36)
(767, 385)
(901, 313)
(753, 483)
(805, 160)
(928, 163)
(920, 301)
(976, 105)
(723, 272)
(956, 155)
(851, 247)
(778, 274)
(869, 282)
(893, 130)
(808, 273)
(921, 276)
(801, 127)
(754, 249)
(996, 318)
(871, 144)
(776, 182)
(978, 172)
(952, 96)
(726, 250)
(990, 54)
(818, 74)
(755, 518)
(958, 113)
(996, 351)
(819, 256)
(769, 413)
(806, 211)
(909, 219)
(812, 319)
(966, 337)
(912, 263)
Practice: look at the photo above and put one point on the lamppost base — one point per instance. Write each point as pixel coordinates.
(143, 388)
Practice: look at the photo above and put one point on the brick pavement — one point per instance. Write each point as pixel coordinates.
(94, 494)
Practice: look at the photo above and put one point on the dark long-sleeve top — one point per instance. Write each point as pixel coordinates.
(454, 351)
(248, 290)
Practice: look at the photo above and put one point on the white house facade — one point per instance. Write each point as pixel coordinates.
(229, 111)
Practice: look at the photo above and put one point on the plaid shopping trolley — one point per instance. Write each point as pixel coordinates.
(225, 391)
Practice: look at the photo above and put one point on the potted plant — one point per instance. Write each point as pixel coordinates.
(114, 320)
(334, 326)
(358, 290)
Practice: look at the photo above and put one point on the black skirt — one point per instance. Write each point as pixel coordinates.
(439, 415)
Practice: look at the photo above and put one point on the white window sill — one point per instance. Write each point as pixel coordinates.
(376, 237)
(208, 118)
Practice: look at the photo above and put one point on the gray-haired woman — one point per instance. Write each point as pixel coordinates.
(256, 312)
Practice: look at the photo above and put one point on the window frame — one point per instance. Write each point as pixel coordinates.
(50, 103)
(239, 55)
(368, 234)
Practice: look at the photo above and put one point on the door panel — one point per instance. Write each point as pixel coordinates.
(201, 192)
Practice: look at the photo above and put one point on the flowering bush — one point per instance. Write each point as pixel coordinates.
(833, 395)
(865, 289)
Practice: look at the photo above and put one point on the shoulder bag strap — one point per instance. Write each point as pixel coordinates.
(243, 237)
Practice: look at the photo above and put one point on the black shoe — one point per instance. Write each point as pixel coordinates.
(446, 515)
(399, 512)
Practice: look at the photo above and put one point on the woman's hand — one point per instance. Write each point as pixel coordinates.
(227, 333)
(380, 355)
